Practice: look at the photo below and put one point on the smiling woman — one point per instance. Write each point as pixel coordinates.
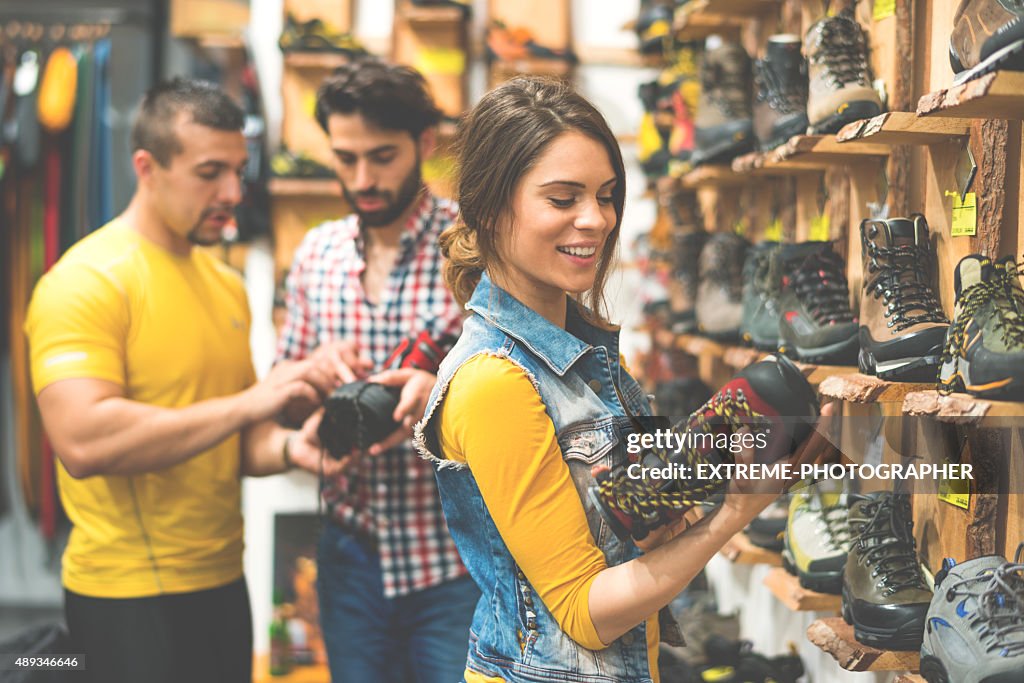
(566, 598)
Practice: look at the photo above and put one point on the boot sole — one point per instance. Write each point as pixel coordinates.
(922, 369)
(1012, 55)
(841, 353)
(903, 636)
(847, 113)
(934, 671)
(820, 582)
(1008, 389)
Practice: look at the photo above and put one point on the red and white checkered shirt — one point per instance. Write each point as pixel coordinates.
(391, 498)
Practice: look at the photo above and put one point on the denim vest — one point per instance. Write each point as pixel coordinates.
(576, 371)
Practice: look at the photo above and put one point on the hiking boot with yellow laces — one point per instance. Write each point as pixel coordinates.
(771, 397)
(987, 35)
(984, 350)
(816, 540)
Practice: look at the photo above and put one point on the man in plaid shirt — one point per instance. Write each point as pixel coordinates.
(395, 600)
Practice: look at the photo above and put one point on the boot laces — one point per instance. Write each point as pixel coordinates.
(840, 48)
(1007, 299)
(641, 500)
(889, 546)
(901, 277)
(999, 619)
(819, 282)
(786, 95)
(837, 526)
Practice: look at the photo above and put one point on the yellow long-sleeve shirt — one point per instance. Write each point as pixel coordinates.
(517, 464)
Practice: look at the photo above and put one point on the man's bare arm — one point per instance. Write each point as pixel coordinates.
(96, 430)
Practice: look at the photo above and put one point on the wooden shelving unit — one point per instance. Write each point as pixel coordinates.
(835, 636)
(712, 174)
(905, 128)
(859, 388)
(998, 95)
(699, 25)
(816, 374)
(315, 60)
(435, 42)
(822, 151)
(550, 25)
(304, 187)
(962, 409)
(743, 7)
(909, 678)
(790, 593)
(741, 551)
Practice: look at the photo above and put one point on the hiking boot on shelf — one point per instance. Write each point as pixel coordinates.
(720, 292)
(902, 326)
(683, 92)
(987, 35)
(760, 324)
(780, 92)
(816, 540)
(816, 323)
(885, 595)
(652, 134)
(654, 25)
(975, 627)
(984, 349)
(840, 84)
(770, 397)
(510, 44)
(316, 35)
(734, 661)
(688, 239)
(768, 528)
(288, 164)
(723, 127)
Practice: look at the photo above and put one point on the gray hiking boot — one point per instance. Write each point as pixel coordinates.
(780, 92)
(724, 128)
(760, 326)
(720, 292)
(975, 627)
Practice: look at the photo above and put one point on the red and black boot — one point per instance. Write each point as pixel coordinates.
(771, 397)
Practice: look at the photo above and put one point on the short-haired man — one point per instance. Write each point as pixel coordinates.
(140, 362)
(395, 599)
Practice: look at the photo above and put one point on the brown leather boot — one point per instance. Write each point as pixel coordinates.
(987, 35)
(902, 325)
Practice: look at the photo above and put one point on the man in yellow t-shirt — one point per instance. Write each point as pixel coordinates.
(141, 366)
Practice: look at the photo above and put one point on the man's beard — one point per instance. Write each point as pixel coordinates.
(394, 206)
(195, 235)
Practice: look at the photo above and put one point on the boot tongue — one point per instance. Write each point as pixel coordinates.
(970, 271)
(902, 232)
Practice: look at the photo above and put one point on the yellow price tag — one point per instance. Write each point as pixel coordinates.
(965, 215)
(956, 492)
(740, 228)
(884, 8)
(440, 61)
(773, 233)
(820, 229)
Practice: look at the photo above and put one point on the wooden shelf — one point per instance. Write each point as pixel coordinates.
(698, 25)
(748, 7)
(617, 56)
(713, 174)
(432, 15)
(740, 550)
(904, 128)
(548, 67)
(816, 374)
(909, 678)
(696, 345)
(962, 408)
(740, 357)
(858, 388)
(835, 636)
(790, 593)
(314, 673)
(316, 60)
(821, 151)
(998, 95)
(304, 187)
(748, 163)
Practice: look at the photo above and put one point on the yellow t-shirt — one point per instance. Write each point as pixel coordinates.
(529, 492)
(172, 331)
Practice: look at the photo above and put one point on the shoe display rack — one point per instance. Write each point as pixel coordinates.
(546, 23)
(909, 159)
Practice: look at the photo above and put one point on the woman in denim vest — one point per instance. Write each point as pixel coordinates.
(534, 395)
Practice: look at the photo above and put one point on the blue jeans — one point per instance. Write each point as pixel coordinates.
(421, 637)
